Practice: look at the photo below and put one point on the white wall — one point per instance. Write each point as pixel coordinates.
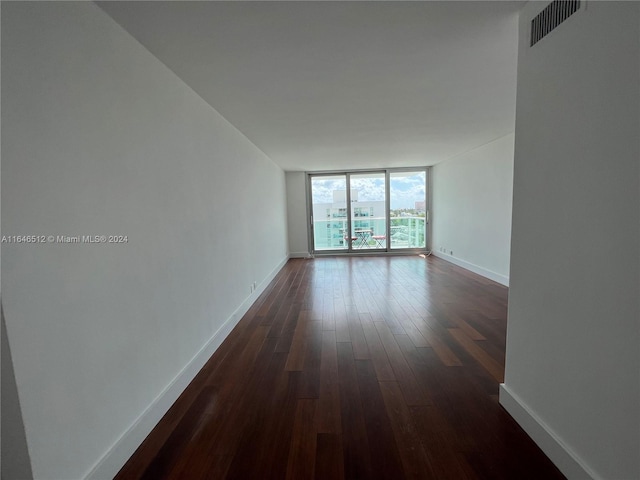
(573, 341)
(297, 214)
(471, 212)
(100, 138)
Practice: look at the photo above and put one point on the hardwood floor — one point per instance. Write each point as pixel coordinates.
(352, 368)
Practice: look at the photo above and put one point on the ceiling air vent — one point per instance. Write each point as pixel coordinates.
(553, 15)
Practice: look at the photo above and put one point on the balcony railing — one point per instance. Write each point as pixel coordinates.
(370, 233)
(408, 232)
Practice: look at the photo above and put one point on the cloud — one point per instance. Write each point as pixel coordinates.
(369, 189)
(406, 188)
(322, 188)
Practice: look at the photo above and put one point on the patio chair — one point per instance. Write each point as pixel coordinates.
(380, 239)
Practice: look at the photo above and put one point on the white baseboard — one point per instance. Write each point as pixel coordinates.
(298, 254)
(549, 442)
(115, 458)
(496, 277)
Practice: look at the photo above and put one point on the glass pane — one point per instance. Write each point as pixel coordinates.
(407, 212)
(368, 211)
(329, 199)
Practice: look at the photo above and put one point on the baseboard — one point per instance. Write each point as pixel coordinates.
(118, 454)
(260, 288)
(299, 255)
(491, 275)
(570, 464)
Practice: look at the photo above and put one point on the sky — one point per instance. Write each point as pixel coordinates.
(406, 188)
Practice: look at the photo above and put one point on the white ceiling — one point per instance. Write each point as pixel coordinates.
(343, 85)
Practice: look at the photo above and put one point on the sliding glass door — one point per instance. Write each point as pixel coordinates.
(408, 209)
(357, 212)
(329, 212)
(368, 211)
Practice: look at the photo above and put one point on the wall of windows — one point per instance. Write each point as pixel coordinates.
(380, 210)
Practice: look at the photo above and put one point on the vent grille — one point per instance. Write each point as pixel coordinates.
(553, 15)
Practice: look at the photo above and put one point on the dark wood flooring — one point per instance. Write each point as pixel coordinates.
(352, 368)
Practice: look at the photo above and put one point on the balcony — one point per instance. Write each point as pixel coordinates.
(369, 233)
